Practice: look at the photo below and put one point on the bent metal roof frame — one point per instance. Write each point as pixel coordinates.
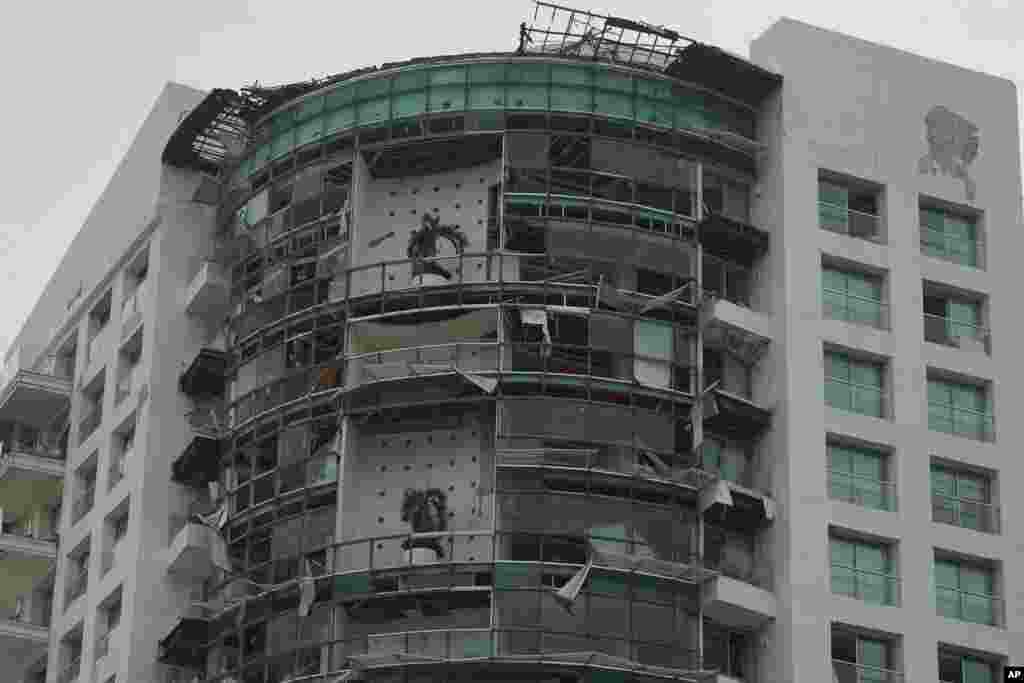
(217, 130)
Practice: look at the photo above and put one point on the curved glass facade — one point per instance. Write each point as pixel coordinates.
(497, 86)
(465, 367)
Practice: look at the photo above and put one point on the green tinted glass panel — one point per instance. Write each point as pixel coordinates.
(572, 75)
(871, 557)
(311, 131)
(527, 97)
(409, 104)
(840, 458)
(864, 286)
(261, 156)
(608, 584)
(654, 339)
(373, 88)
(308, 108)
(833, 279)
(939, 392)
(843, 581)
(943, 483)
(874, 653)
(711, 453)
(933, 219)
(282, 145)
(947, 574)
(339, 120)
(654, 89)
(613, 105)
(340, 96)
(528, 72)
(571, 99)
(975, 580)
(655, 112)
(447, 76)
(837, 365)
(843, 552)
(486, 73)
(352, 583)
(836, 195)
(947, 602)
(971, 488)
(838, 395)
(487, 97)
(409, 80)
(866, 374)
(976, 671)
(613, 81)
(512, 575)
(282, 122)
(447, 98)
(373, 111)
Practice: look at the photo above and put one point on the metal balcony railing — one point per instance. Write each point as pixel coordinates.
(39, 445)
(851, 672)
(974, 608)
(870, 586)
(941, 330)
(26, 527)
(955, 249)
(971, 424)
(860, 490)
(966, 513)
(856, 398)
(838, 305)
(621, 461)
(847, 221)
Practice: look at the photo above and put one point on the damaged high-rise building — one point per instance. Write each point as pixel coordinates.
(612, 357)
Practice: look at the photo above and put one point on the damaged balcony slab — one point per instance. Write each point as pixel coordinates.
(33, 398)
(738, 604)
(185, 645)
(208, 292)
(204, 377)
(199, 463)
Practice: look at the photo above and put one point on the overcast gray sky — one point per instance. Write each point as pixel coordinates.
(80, 77)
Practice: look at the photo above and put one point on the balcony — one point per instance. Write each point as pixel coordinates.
(30, 456)
(851, 672)
(850, 222)
(184, 645)
(863, 491)
(737, 417)
(973, 608)
(34, 398)
(199, 463)
(208, 293)
(204, 377)
(960, 335)
(960, 249)
(738, 604)
(965, 513)
(21, 641)
(190, 551)
(26, 538)
(726, 236)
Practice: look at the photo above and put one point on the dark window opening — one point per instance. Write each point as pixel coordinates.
(653, 283)
(570, 151)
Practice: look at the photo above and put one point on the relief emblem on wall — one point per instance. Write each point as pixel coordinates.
(424, 244)
(953, 143)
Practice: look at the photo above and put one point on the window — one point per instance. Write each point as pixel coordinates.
(950, 237)
(859, 475)
(960, 668)
(85, 485)
(853, 297)
(728, 460)
(854, 384)
(963, 499)
(953, 320)
(847, 210)
(77, 572)
(729, 651)
(863, 570)
(965, 591)
(959, 408)
(858, 658)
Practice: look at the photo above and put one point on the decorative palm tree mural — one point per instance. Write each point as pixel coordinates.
(423, 244)
(426, 510)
